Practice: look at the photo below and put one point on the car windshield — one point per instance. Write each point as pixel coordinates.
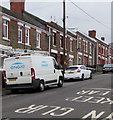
(108, 65)
(72, 68)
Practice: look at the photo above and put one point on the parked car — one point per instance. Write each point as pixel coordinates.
(23, 72)
(92, 69)
(107, 68)
(77, 72)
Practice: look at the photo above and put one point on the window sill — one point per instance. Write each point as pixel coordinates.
(4, 38)
(24, 44)
(54, 45)
(27, 44)
(38, 48)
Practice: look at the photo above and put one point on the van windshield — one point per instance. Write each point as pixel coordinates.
(108, 65)
(72, 68)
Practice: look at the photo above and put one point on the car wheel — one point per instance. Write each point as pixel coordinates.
(90, 75)
(60, 83)
(82, 77)
(41, 86)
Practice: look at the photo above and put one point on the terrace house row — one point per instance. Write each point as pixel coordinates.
(92, 50)
(23, 30)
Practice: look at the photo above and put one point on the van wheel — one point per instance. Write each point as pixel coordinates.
(14, 91)
(60, 83)
(82, 77)
(41, 86)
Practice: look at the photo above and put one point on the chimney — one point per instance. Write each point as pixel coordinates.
(103, 38)
(17, 6)
(92, 33)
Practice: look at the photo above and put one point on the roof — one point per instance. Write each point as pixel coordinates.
(58, 27)
(32, 19)
(26, 17)
(101, 41)
(86, 36)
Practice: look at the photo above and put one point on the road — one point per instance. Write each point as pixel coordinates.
(76, 99)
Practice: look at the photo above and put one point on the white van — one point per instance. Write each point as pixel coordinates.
(33, 71)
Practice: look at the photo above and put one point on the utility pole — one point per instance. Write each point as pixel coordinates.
(64, 18)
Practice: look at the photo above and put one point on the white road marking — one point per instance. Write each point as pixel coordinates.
(53, 112)
(100, 89)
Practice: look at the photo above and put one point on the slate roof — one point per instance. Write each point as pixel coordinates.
(27, 17)
(34, 20)
(86, 36)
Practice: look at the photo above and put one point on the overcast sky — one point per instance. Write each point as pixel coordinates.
(77, 12)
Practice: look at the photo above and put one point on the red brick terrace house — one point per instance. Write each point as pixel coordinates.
(110, 53)
(101, 49)
(56, 44)
(23, 30)
(92, 50)
(86, 47)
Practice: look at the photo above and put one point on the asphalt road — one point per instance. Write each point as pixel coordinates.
(76, 99)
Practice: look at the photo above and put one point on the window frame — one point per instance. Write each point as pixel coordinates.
(61, 41)
(71, 45)
(54, 38)
(20, 33)
(5, 31)
(27, 36)
(38, 39)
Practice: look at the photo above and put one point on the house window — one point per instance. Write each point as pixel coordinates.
(103, 50)
(27, 36)
(90, 48)
(38, 36)
(19, 34)
(5, 29)
(86, 46)
(54, 38)
(61, 41)
(106, 51)
(71, 45)
(79, 43)
(99, 48)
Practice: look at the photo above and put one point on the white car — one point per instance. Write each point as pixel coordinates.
(77, 72)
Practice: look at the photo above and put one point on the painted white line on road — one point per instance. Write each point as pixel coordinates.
(53, 110)
(99, 88)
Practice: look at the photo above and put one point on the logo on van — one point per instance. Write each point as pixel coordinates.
(44, 64)
(17, 65)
